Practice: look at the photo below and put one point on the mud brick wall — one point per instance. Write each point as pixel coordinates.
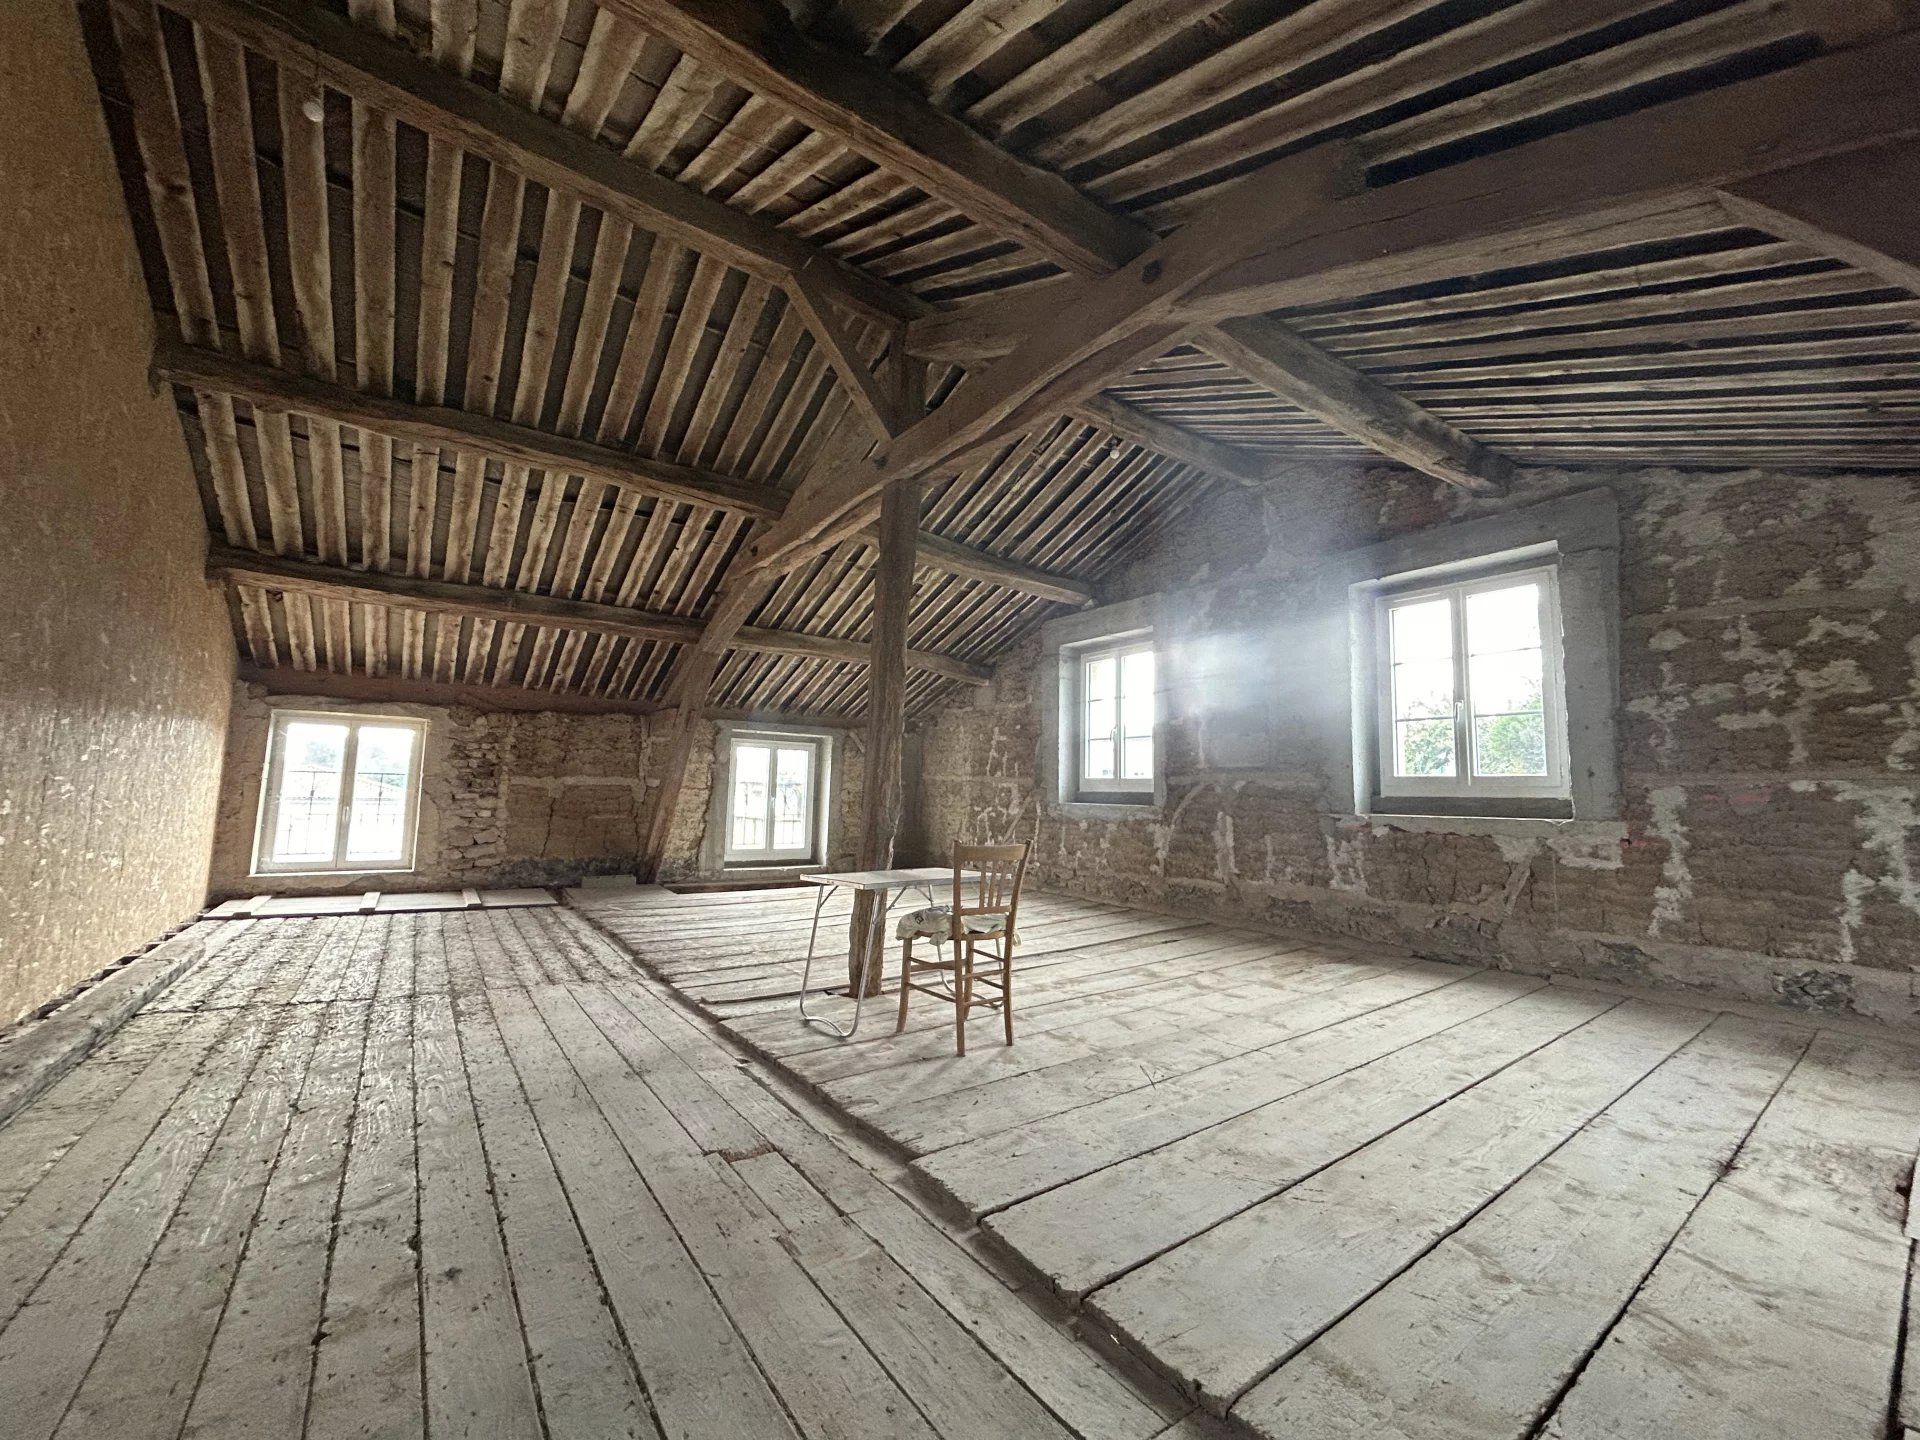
(1768, 737)
(508, 798)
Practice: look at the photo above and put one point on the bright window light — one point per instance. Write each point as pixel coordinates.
(1472, 685)
(772, 799)
(1116, 715)
(340, 793)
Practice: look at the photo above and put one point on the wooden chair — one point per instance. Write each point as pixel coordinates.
(995, 872)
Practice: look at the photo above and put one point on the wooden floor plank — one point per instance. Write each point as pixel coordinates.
(51, 1341)
(1776, 1312)
(956, 1384)
(702, 1380)
(144, 1377)
(1111, 1065)
(1522, 1293)
(1061, 1373)
(255, 1380)
(825, 1377)
(1222, 1311)
(1084, 1234)
(990, 1174)
(477, 1368)
(366, 1372)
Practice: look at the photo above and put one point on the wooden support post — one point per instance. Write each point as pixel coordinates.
(886, 719)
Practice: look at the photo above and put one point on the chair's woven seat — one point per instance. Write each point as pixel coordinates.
(935, 922)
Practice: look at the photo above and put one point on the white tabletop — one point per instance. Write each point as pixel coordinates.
(883, 880)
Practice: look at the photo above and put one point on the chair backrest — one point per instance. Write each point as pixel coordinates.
(996, 872)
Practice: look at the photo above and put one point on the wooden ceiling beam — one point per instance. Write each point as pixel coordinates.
(437, 426)
(313, 42)
(1858, 207)
(756, 44)
(519, 607)
(309, 40)
(1276, 359)
(1292, 222)
(1189, 447)
(520, 699)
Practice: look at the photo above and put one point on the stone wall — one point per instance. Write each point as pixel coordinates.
(508, 797)
(115, 656)
(1768, 737)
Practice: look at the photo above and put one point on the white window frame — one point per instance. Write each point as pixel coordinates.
(1117, 790)
(814, 851)
(269, 817)
(1465, 785)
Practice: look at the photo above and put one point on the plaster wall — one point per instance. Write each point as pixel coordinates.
(115, 657)
(508, 798)
(1768, 738)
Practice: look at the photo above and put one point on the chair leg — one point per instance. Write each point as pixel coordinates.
(962, 992)
(906, 975)
(1006, 986)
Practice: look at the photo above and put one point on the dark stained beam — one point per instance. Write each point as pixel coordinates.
(1187, 446)
(437, 426)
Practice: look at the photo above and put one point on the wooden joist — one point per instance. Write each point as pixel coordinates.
(1277, 359)
(518, 607)
(1857, 207)
(311, 41)
(868, 108)
(442, 426)
(1292, 233)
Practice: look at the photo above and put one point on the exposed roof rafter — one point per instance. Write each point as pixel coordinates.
(520, 607)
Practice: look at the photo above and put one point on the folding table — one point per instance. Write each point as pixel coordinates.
(881, 883)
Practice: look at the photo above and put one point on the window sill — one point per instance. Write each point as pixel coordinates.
(1146, 807)
(324, 874)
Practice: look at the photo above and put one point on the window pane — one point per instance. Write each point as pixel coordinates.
(1423, 689)
(1098, 679)
(1423, 630)
(1139, 758)
(1100, 718)
(309, 802)
(793, 771)
(1508, 681)
(1099, 760)
(1510, 745)
(1507, 619)
(751, 767)
(383, 766)
(1423, 747)
(1136, 692)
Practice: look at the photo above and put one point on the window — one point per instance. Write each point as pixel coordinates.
(1471, 690)
(773, 809)
(1114, 720)
(341, 793)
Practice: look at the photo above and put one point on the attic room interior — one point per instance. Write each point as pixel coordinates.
(960, 719)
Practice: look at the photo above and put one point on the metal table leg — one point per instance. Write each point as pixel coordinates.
(884, 901)
(806, 972)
